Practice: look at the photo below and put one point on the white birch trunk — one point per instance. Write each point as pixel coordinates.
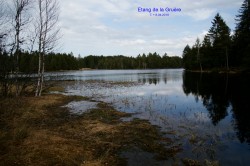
(48, 17)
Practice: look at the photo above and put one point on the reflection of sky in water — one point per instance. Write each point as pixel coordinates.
(151, 76)
(157, 95)
(79, 107)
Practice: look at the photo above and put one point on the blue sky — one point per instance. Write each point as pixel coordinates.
(115, 27)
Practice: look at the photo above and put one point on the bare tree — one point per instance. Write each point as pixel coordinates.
(5, 65)
(47, 35)
(21, 18)
(3, 19)
(2, 13)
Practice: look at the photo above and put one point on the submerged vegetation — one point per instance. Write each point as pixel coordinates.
(38, 131)
(41, 131)
(39, 126)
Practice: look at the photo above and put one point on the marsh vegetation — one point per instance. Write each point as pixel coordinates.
(205, 113)
(129, 117)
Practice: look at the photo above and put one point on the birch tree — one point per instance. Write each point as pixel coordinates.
(21, 17)
(47, 35)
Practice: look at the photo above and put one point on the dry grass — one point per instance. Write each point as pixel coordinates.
(38, 131)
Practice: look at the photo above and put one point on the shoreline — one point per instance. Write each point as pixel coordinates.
(42, 132)
(44, 127)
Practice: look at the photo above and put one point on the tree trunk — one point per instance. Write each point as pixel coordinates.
(39, 79)
(39, 76)
(48, 17)
(227, 59)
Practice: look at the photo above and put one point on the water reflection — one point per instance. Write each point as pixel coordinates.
(206, 113)
(141, 76)
(150, 79)
(218, 92)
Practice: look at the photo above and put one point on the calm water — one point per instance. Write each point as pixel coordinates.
(208, 114)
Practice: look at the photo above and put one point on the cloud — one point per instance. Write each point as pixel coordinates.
(163, 42)
(110, 27)
(129, 42)
(102, 28)
(201, 14)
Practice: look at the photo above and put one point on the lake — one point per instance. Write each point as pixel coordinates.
(208, 114)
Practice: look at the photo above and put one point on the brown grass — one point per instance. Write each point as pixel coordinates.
(38, 131)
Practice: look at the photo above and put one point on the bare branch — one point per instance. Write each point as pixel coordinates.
(20, 18)
(48, 34)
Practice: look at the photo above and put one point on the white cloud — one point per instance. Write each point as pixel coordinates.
(163, 42)
(129, 42)
(201, 14)
(100, 27)
(115, 27)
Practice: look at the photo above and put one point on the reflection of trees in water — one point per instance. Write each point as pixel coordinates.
(217, 109)
(240, 100)
(217, 92)
(156, 78)
(211, 90)
(153, 78)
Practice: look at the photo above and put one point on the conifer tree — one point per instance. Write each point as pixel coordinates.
(188, 58)
(241, 40)
(206, 48)
(219, 35)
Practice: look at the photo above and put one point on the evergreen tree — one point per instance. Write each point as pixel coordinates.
(188, 58)
(205, 52)
(219, 35)
(197, 46)
(241, 42)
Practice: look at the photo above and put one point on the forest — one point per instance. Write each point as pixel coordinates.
(221, 48)
(28, 62)
(149, 61)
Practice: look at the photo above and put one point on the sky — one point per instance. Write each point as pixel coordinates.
(126, 27)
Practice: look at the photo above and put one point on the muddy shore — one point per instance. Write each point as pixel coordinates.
(42, 131)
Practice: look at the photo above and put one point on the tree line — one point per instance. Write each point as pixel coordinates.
(28, 62)
(149, 61)
(219, 49)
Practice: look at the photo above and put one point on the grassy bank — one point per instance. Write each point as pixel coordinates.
(38, 131)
